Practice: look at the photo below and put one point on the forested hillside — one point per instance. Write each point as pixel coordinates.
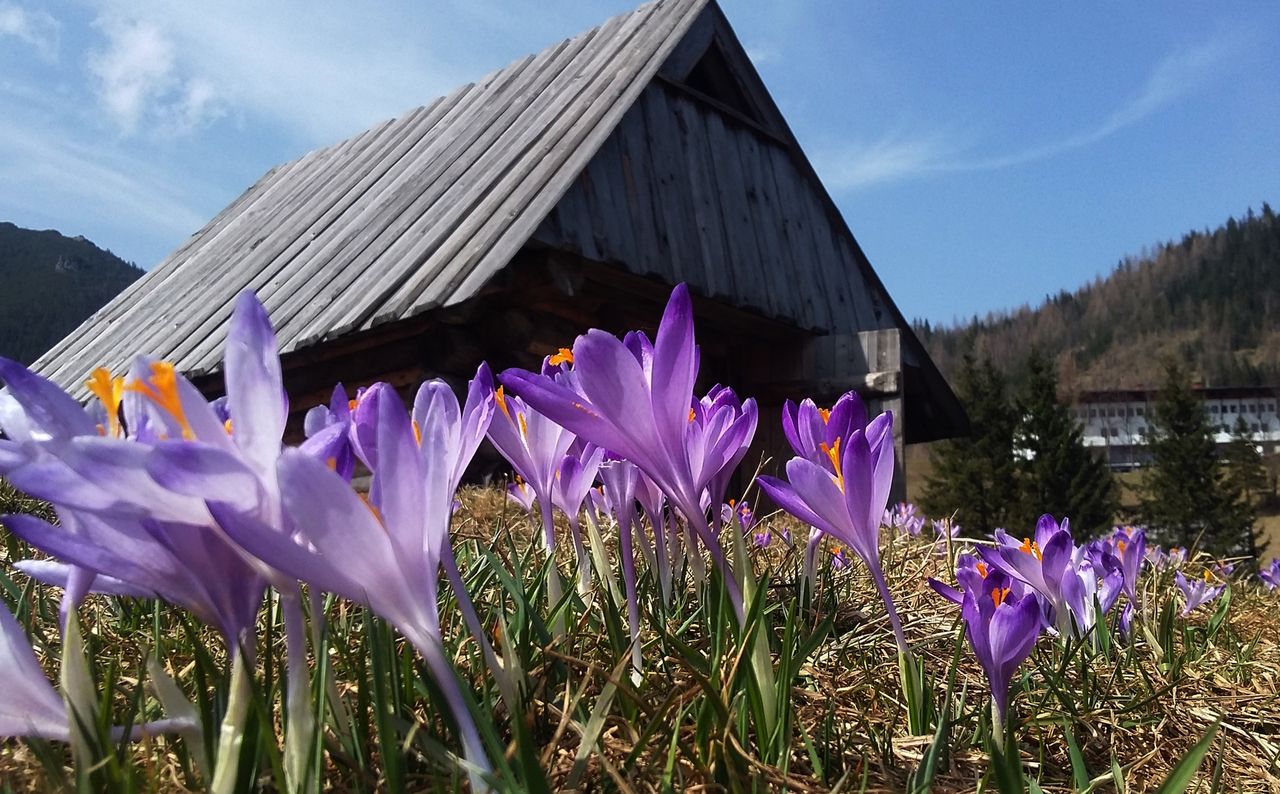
(49, 284)
(1212, 300)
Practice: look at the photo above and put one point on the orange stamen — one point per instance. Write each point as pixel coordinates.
(524, 427)
(563, 356)
(982, 569)
(417, 432)
(501, 397)
(692, 415)
(227, 426)
(1120, 545)
(999, 594)
(1031, 547)
(332, 463)
(825, 413)
(351, 404)
(161, 387)
(110, 391)
(833, 453)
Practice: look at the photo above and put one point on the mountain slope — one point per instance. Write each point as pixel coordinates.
(49, 284)
(1212, 300)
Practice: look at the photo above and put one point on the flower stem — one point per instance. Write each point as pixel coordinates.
(231, 736)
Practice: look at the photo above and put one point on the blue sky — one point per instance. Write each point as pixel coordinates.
(984, 154)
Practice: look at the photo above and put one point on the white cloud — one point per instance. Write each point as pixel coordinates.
(301, 69)
(119, 191)
(899, 156)
(37, 28)
(139, 81)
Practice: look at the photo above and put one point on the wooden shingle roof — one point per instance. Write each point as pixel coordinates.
(417, 213)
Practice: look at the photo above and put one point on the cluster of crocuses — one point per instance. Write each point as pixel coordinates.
(1013, 590)
(160, 493)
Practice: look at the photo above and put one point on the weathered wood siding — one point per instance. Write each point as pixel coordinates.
(684, 192)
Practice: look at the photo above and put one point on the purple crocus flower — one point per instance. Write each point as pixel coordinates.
(847, 500)
(386, 553)
(1196, 592)
(839, 560)
(535, 446)
(1270, 575)
(519, 492)
(812, 431)
(569, 491)
(620, 490)
(328, 432)
(1002, 628)
(30, 705)
(1041, 562)
(905, 518)
(1129, 546)
(636, 402)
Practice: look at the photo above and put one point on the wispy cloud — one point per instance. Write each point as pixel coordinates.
(306, 72)
(37, 28)
(902, 156)
(138, 80)
(42, 170)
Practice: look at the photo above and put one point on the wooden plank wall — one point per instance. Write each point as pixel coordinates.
(684, 192)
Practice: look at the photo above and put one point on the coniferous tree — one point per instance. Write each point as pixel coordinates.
(1057, 474)
(1246, 480)
(1243, 462)
(973, 478)
(1185, 499)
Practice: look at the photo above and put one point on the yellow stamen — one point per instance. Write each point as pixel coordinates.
(999, 594)
(501, 397)
(692, 415)
(161, 387)
(417, 432)
(110, 391)
(1031, 547)
(1206, 575)
(564, 356)
(825, 413)
(227, 426)
(524, 427)
(833, 453)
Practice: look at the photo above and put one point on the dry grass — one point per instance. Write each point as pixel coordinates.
(847, 700)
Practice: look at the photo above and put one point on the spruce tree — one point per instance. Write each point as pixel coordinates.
(973, 478)
(1057, 474)
(1185, 499)
(1246, 480)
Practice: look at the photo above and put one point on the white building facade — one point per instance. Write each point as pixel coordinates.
(1119, 421)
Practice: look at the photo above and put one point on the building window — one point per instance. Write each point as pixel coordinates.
(1253, 408)
(1115, 432)
(1213, 409)
(1255, 427)
(1139, 410)
(1093, 413)
(1233, 409)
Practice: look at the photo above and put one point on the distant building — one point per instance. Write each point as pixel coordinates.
(1120, 420)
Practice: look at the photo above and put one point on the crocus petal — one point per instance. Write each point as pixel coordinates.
(344, 531)
(675, 367)
(58, 574)
(206, 472)
(30, 706)
(50, 412)
(255, 394)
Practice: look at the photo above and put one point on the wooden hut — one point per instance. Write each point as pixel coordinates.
(568, 190)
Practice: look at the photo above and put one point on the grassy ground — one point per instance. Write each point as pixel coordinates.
(689, 721)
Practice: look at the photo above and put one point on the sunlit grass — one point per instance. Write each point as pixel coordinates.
(1086, 713)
